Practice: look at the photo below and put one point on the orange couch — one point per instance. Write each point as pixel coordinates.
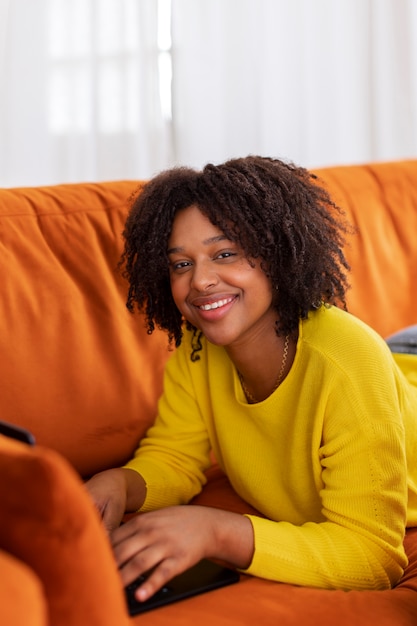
(84, 376)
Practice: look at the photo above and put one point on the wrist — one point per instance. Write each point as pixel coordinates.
(235, 539)
(135, 489)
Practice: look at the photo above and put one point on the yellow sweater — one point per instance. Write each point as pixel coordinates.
(324, 458)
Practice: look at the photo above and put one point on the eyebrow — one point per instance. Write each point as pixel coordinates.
(206, 242)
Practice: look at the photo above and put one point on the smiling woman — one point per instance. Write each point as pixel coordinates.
(272, 212)
(242, 264)
(215, 287)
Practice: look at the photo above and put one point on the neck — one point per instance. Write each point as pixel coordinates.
(263, 366)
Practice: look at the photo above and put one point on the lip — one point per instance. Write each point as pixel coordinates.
(213, 307)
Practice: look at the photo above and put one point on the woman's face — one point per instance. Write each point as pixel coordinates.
(214, 286)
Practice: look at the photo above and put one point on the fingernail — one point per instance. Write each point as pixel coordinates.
(141, 594)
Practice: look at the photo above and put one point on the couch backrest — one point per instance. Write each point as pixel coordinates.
(76, 367)
(380, 201)
(80, 371)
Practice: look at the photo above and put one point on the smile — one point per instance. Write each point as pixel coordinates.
(215, 305)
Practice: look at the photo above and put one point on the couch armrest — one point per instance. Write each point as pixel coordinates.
(22, 600)
(48, 522)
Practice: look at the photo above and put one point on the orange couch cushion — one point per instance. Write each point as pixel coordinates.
(380, 201)
(22, 600)
(77, 368)
(48, 521)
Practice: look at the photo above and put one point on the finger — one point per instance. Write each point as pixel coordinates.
(129, 552)
(142, 563)
(111, 519)
(158, 578)
(129, 529)
(136, 548)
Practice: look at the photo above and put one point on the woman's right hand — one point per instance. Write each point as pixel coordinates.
(114, 492)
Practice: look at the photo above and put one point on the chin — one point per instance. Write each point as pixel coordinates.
(217, 340)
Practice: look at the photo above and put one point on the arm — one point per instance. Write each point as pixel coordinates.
(174, 454)
(168, 466)
(358, 543)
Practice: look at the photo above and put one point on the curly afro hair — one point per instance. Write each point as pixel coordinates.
(277, 212)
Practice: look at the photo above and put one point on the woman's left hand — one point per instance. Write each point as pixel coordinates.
(171, 540)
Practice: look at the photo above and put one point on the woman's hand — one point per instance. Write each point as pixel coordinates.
(171, 540)
(114, 492)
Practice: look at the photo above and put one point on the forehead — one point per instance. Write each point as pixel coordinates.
(191, 223)
(190, 214)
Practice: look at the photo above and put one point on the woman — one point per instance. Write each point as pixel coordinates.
(302, 404)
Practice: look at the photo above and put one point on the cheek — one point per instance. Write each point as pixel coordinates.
(262, 290)
(178, 291)
(255, 280)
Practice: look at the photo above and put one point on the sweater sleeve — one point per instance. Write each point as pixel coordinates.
(358, 545)
(175, 452)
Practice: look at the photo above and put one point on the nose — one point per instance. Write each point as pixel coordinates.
(204, 276)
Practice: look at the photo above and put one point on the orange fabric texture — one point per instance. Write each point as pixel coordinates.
(83, 374)
(380, 201)
(21, 594)
(48, 522)
(77, 368)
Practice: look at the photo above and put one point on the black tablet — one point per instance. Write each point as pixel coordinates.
(203, 577)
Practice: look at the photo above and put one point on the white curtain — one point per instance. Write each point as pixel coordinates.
(85, 85)
(80, 98)
(320, 82)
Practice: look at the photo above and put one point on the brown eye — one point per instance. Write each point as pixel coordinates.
(226, 254)
(180, 266)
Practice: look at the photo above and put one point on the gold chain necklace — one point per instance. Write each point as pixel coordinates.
(249, 396)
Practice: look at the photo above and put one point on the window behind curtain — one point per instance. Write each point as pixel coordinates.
(95, 77)
(87, 90)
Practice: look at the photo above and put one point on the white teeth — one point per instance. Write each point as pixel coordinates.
(215, 305)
